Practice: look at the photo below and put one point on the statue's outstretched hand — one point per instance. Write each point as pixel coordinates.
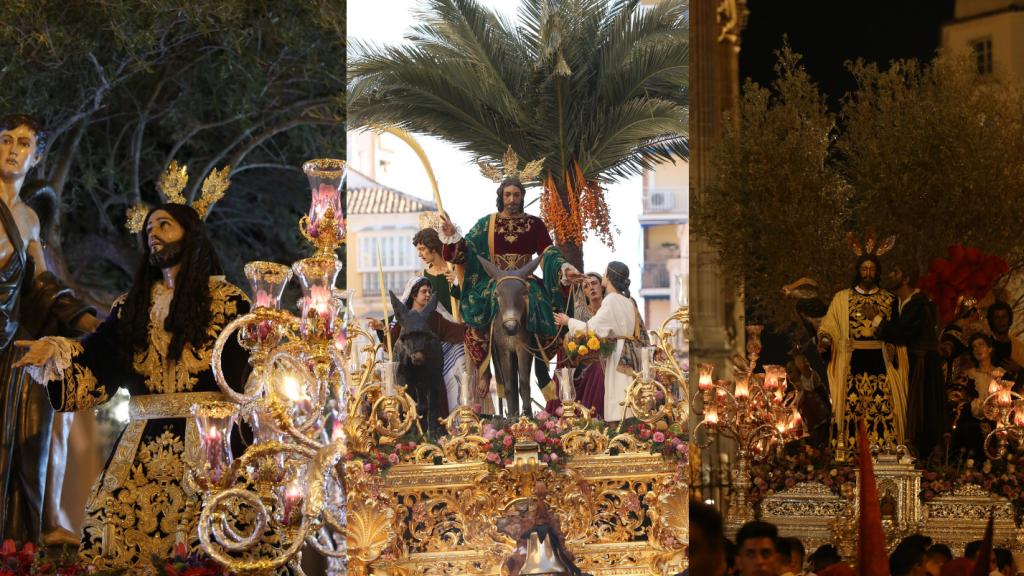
(38, 352)
(573, 275)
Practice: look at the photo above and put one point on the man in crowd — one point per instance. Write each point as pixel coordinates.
(707, 541)
(791, 556)
(757, 555)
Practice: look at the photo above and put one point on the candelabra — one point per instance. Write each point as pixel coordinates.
(301, 402)
(756, 412)
(1006, 408)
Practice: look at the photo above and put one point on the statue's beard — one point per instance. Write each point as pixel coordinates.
(516, 208)
(170, 256)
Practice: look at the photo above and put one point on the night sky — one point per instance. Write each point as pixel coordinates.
(829, 32)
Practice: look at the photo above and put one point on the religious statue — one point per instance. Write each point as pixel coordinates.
(158, 343)
(509, 239)
(618, 319)
(865, 380)
(33, 302)
(540, 545)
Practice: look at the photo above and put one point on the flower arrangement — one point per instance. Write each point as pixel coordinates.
(799, 462)
(381, 457)
(31, 561)
(584, 347)
(665, 440)
(546, 432)
(1004, 478)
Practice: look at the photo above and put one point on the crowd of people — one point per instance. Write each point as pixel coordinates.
(759, 550)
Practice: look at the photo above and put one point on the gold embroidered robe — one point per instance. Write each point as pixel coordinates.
(140, 504)
(864, 381)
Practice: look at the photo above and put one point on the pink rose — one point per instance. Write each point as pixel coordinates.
(542, 416)
(659, 437)
(549, 425)
(538, 437)
(543, 457)
(493, 457)
(507, 441)
(680, 447)
(367, 467)
(554, 457)
(393, 458)
(559, 411)
(645, 434)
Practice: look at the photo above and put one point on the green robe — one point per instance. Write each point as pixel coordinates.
(478, 306)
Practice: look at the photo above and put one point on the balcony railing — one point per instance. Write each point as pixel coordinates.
(656, 276)
(666, 199)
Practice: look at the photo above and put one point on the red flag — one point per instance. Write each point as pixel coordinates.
(983, 561)
(872, 554)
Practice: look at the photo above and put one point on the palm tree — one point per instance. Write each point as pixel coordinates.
(598, 88)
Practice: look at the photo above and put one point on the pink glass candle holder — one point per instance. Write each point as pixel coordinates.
(316, 276)
(268, 280)
(326, 180)
(214, 422)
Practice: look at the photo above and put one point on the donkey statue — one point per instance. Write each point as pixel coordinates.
(510, 340)
(418, 353)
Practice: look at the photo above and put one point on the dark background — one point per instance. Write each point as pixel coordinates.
(828, 33)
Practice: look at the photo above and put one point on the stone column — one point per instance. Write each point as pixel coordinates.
(715, 309)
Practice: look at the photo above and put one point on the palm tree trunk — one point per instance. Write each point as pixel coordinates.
(573, 254)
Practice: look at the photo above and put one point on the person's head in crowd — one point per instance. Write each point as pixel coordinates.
(908, 558)
(756, 554)
(707, 541)
(825, 556)
(972, 549)
(981, 346)
(730, 557)
(1000, 318)
(938, 554)
(791, 555)
(958, 567)
(1004, 562)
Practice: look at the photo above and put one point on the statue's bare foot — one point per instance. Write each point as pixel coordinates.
(61, 536)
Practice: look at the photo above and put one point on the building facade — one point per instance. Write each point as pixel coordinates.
(386, 219)
(993, 32)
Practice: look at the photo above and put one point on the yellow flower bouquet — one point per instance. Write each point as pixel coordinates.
(584, 347)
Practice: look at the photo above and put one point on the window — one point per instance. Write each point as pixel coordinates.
(398, 261)
(982, 50)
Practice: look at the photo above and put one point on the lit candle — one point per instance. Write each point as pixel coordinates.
(795, 420)
(771, 378)
(337, 431)
(705, 382)
(320, 300)
(1018, 414)
(711, 415)
(264, 299)
(465, 389)
(215, 452)
(292, 499)
(1004, 398)
(742, 388)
